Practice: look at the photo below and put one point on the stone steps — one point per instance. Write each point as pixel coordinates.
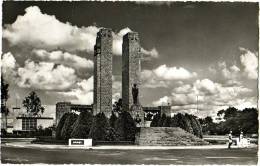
(167, 136)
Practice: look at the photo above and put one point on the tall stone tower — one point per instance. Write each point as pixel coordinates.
(131, 67)
(103, 72)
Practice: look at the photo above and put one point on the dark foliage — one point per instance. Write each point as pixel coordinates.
(68, 126)
(4, 96)
(235, 120)
(60, 126)
(155, 120)
(112, 120)
(99, 127)
(125, 127)
(161, 120)
(82, 126)
(167, 122)
(111, 135)
(40, 131)
(33, 105)
(118, 106)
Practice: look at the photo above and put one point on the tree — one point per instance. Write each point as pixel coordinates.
(112, 120)
(32, 103)
(118, 106)
(4, 98)
(180, 120)
(161, 121)
(82, 126)
(99, 128)
(68, 126)
(60, 126)
(196, 127)
(155, 121)
(125, 127)
(167, 122)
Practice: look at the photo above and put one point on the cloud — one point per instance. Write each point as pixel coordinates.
(153, 53)
(162, 101)
(228, 74)
(249, 61)
(8, 64)
(64, 58)
(211, 97)
(163, 76)
(42, 31)
(45, 76)
(118, 40)
(173, 73)
(82, 93)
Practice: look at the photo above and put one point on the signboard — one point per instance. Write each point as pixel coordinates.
(80, 142)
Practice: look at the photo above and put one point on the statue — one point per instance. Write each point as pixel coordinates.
(135, 94)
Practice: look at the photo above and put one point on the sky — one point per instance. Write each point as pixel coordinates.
(199, 57)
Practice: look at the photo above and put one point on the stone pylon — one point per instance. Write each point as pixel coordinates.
(131, 70)
(131, 67)
(103, 72)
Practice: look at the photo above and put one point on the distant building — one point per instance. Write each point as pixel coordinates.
(66, 107)
(25, 124)
(158, 110)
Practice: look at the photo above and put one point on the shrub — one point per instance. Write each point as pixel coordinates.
(112, 120)
(68, 126)
(99, 127)
(155, 120)
(161, 121)
(82, 126)
(60, 125)
(167, 122)
(125, 127)
(111, 135)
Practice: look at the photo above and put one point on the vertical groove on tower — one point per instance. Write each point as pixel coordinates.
(131, 67)
(103, 72)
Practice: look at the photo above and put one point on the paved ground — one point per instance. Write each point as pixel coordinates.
(215, 155)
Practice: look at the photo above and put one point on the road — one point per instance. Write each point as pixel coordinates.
(24, 155)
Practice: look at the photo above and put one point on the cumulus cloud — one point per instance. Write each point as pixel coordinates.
(209, 95)
(45, 76)
(228, 74)
(173, 73)
(82, 93)
(162, 101)
(8, 64)
(43, 31)
(163, 75)
(64, 58)
(249, 61)
(153, 53)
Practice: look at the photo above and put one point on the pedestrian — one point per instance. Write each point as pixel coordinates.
(230, 139)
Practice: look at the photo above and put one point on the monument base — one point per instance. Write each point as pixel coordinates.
(137, 114)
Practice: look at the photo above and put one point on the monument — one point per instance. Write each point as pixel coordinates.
(103, 72)
(131, 69)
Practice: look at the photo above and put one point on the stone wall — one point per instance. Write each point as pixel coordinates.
(61, 109)
(103, 72)
(131, 67)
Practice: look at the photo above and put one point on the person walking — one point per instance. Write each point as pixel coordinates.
(230, 139)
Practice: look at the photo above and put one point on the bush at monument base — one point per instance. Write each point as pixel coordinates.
(60, 126)
(99, 127)
(82, 126)
(125, 127)
(155, 120)
(187, 122)
(112, 120)
(68, 126)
